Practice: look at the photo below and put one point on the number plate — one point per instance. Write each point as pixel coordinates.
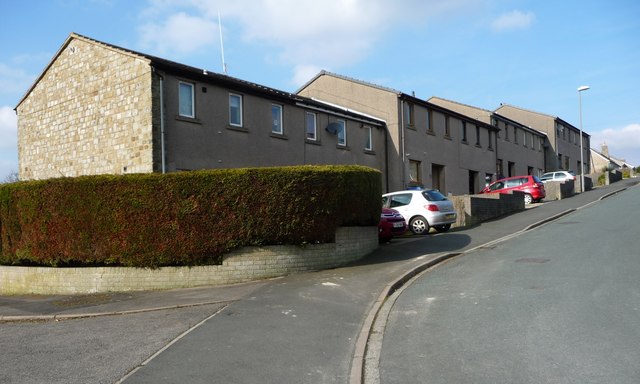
(398, 225)
(450, 216)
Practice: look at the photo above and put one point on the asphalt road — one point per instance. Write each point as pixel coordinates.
(560, 304)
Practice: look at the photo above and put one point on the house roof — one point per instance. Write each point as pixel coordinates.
(482, 113)
(618, 162)
(555, 118)
(400, 95)
(204, 75)
(351, 79)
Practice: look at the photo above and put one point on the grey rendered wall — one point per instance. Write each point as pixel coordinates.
(209, 141)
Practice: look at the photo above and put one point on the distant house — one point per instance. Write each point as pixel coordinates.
(563, 138)
(102, 109)
(430, 145)
(520, 149)
(603, 162)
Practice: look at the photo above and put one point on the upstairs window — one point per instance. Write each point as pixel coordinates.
(276, 119)
(429, 121)
(447, 127)
(464, 131)
(235, 110)
(342, 133)
(409, 115)
(477, 136)
(368, 146)
(311, 126)
(185, 100)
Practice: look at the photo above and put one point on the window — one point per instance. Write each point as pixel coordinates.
(276, 119)
(235, 110)
(310, 126)
(342, 133)
(515, 135)
(185, 100)
(415, 173)
(477, 136)
(408, 115)
(429, 121)
(506, 132)
(447, 127)
(524, 138)
(400, 200)
(464, 131)
(490, 134)
(368, 146)
(540, 139)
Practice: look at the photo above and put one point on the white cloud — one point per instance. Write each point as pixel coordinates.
(9, 142)
(623, 143)
(8, 129)
(304, 73)
(513, 20)
(13, 80)
(180, 33)
(303, 34)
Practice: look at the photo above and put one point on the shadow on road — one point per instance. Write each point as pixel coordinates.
(405, 248)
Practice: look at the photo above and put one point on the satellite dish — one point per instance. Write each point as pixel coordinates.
(333, 128)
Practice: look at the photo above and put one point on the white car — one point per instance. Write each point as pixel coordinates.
(422, 209)
(558, 176)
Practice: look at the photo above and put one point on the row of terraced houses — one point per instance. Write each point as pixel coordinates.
(102, 109)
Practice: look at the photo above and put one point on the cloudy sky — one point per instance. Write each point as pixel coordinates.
(529, 53)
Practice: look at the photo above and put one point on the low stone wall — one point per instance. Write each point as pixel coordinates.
(558, 190)
(474, 209)
(242, 265)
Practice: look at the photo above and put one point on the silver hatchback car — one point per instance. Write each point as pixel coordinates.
(422, 209)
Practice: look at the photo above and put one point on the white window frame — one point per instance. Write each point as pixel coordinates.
(276, 119)
(368, 145)
(342, 133)
(192, 112)
(231, 122)
(307, 125)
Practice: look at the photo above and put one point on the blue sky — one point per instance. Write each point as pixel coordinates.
(529, 53)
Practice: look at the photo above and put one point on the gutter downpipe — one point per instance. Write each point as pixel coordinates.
(386, 157)
(162, 147)
(404, 160)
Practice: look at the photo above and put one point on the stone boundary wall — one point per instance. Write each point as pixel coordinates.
(474, 209)
(558, 190)
(242, 265)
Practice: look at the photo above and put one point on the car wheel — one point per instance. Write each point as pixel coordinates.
(419, 225)
(528, 199)
(442, 228)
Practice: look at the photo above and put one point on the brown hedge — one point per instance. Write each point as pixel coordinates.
(188, 218)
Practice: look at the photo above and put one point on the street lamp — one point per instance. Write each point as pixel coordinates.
(580, 89)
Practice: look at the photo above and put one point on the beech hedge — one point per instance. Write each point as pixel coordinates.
(186, 218)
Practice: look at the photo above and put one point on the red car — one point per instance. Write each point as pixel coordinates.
(391, 223)
(531, 185)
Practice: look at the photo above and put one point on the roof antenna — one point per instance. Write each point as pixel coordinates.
(224, 64)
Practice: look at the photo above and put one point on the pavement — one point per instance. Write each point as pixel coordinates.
(377, 276)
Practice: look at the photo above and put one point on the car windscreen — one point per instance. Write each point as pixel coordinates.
(433, 195)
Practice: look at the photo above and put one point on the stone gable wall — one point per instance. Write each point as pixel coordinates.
(90, 113)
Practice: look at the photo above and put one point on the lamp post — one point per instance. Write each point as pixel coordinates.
(580, 89)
